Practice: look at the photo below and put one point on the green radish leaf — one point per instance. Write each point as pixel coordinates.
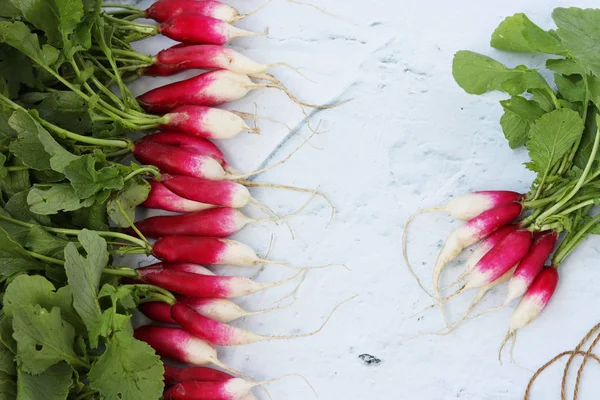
(109, 322)
(129, 369)
(15, 182)
(18, 67)
(135, 193)
(565, 66)
(52, 384)
(7, 361)
(8, 388)
(593, 84)
(18, 208)
(519, 114)
(87, 181)
(43, 339)
(84, 274)
(6, 334)
(478, 74)
(7, 10)
(60, 197)
(518, 33)
(584, 151)
(552, 136)
(579, 31)
(93, 217)
(19, 36)
(65, 109)
(41, 242)
(571, 88)
(14, 259)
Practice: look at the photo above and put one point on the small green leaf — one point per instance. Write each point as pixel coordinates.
(129, 369)
(552, 136)
(571, 88)
(565, 66)
(84, 274)
(52, 384)
(87, 181)
(579, 30)
(60, 197)
(478, 74)
(41, 242)
(518, 33)
(14, 259)
(43, 339)
(516, 121)
(19, 36)
(7, 361)
(135, 193)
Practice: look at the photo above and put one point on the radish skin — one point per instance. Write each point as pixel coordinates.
(208, 89)
(162, 198)
(221, 310)
(189, 267)
(157, 311)
(502, 257)
(206, 122)
(196, 145)
(232, 389)
(470, 233)
(175, 375)
(200, 29)
(206, 191)
(488, 244)
(530, 267)
(163, 10)
(196, 285)
(535, 299)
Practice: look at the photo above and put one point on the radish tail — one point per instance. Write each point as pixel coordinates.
(276, 84)
(232, 371)
(456, 281)
(292, 294)
(242, 16)
(261, 268)
(509, 335)
(260, 205)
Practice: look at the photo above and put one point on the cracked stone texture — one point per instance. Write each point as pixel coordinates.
(410, 138)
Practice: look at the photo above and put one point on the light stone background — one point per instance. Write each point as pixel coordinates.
(410, 138)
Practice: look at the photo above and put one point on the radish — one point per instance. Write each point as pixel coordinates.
(197, 285)
(530, 267)
(200, 29)
(533, 302)
(222, 334)
(463, 207)
(175, 375)
(211, 250)
(502, 257)
(232, 389)
(162, 198)
(474, 230)
(488, 244)
(182, 57)
(196, 145)
(163, 10)
(177, 344)
(157, 311)
(221, 310)
(217, 193)
(206, 122)
(189, 268)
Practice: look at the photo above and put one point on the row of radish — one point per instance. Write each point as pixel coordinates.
(198, 182)
(508, 251)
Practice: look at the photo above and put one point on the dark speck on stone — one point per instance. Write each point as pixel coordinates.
(368, 359)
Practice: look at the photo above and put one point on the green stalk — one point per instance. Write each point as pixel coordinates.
(17, 168)
(577, 207)
(567, 246)
(586, 102)
(152, 170)
(124, 272)
(153, 288)
(47, 259)
(147, 29)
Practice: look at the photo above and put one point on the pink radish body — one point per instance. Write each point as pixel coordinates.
(182, 57)
(157, 311)
(199, 29)
(194, 144)
(221, 310)
(530, 267)
(471, 205)
(470, 233)
(176, 160)
(218, 193)
(216, 222)
(488, 244)
(208, 89)
(177, 344)
(196, 285)
(163, 10)
(175, 375)
(232, 389)
(205, 250)
(535, 300)
(206, 122)
(162, 198)
(505, 255)
(189, 268)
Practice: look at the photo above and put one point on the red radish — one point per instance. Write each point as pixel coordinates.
(157, 311)
(232, 389)
(162, 198)
(470, 233)
(206, 122)
(199, 29)
(222, 334)
(182, 57)
(177, 344)
(208, 89)
(506, 254)
(196, 145)
(488, 244)
(533, 302)
(209, 250)
(175, 375)
(217, 193)
(216, 222)
(189, 268)
(221, 310)
(197, 285)
(177, 160)
(163, 10)
(530, 267)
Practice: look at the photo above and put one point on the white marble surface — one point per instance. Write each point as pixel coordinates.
(410, 138)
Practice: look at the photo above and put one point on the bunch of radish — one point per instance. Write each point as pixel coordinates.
(199, 184)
